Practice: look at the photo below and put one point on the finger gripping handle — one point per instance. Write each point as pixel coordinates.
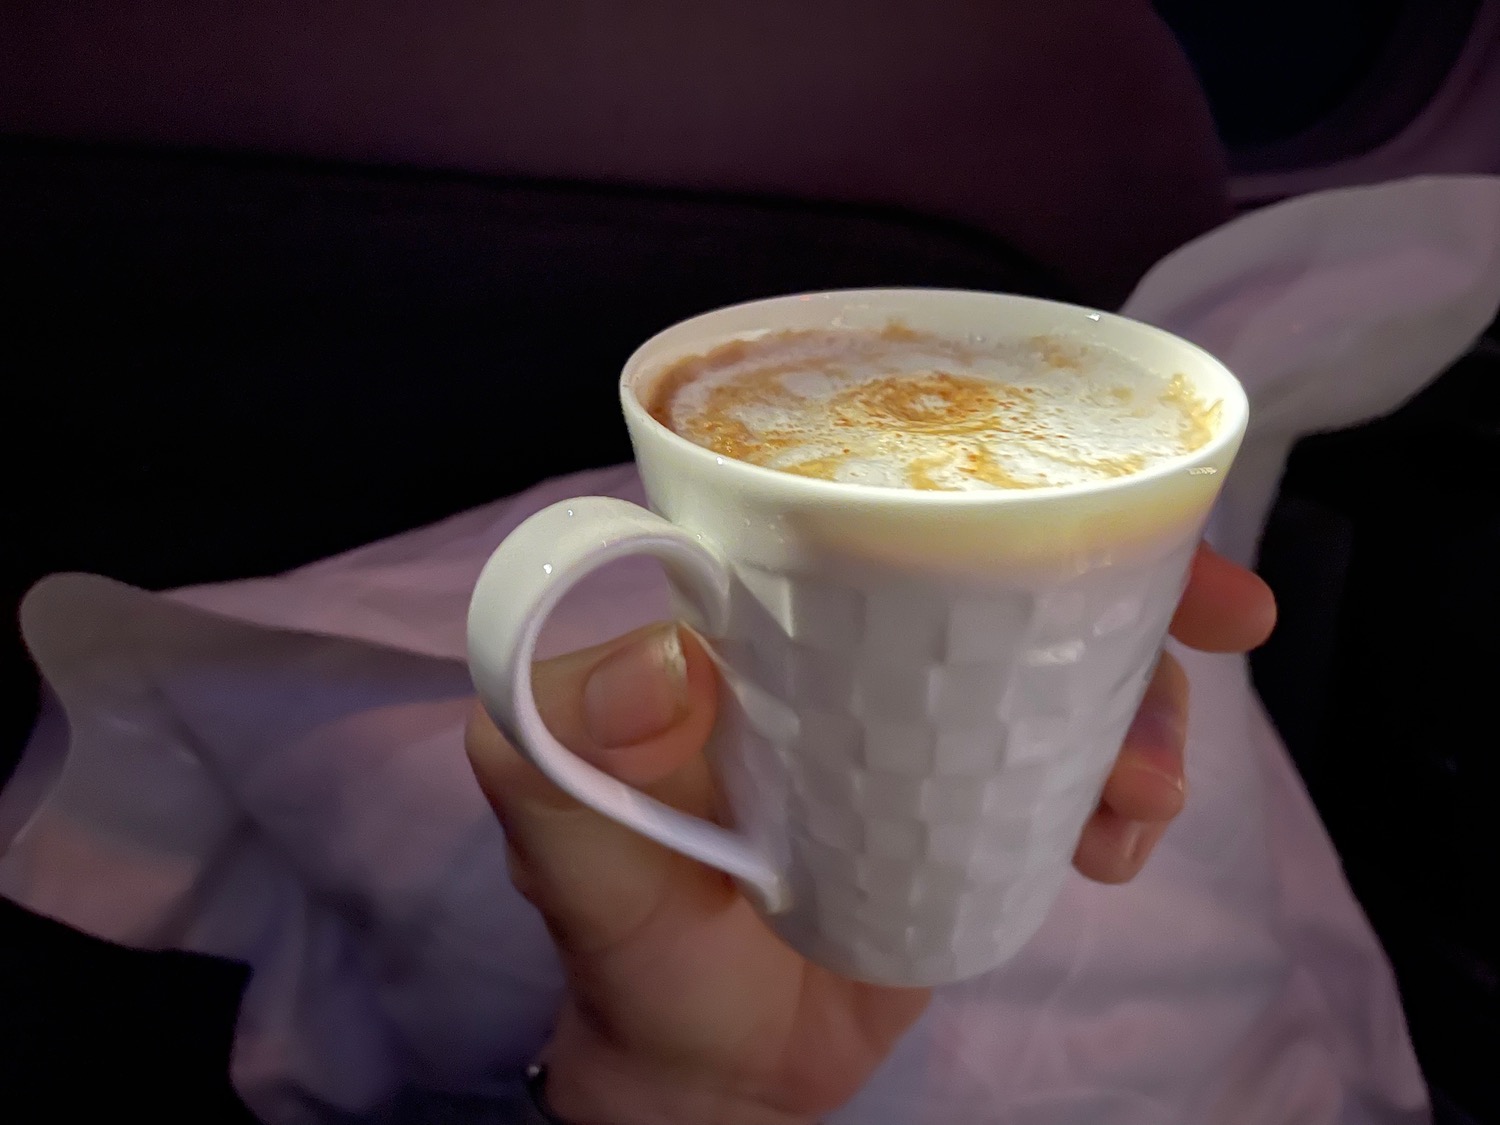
(518, 588)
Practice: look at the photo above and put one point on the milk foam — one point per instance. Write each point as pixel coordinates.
(906, 409)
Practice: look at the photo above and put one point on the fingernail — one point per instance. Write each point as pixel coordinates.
(1132, 840)
(638, 691)
(1155, 742)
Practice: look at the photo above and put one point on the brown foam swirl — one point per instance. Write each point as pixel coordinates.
(904, 408)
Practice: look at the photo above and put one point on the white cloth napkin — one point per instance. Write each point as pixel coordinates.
(272, 771)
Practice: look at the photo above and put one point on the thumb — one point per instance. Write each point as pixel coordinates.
(640, 708)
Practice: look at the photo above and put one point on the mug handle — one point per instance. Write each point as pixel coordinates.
(521, 584)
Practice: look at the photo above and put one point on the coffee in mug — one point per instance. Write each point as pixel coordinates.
(905, 409)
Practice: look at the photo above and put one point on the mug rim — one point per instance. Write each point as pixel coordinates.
(1230, 431)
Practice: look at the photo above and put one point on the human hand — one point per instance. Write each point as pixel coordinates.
(1225, 608)
(682, 1005)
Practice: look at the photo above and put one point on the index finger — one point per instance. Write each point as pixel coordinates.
(1225, 607)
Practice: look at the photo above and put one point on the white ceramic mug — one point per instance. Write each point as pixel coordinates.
(926, 690)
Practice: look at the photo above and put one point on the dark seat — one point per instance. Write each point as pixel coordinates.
(229, 367)
(1384, 551)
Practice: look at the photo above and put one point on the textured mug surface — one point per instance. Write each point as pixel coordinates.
(926, 690)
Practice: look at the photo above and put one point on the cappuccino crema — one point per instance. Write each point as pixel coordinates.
(901, 408)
